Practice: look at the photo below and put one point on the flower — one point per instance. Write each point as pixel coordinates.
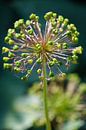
(29, 45)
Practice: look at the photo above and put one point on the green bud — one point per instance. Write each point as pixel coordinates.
(17, 70)
(39, 71)
(29, 72)
(16, 24)
(71, 27)
(23, 36)
(77, 50)
(11, 42)
(21, 21)
(68, 33)
(60, 18)
(5, 59)
(59, 46)
(10, 32)
(65, 46)
(74, 58)
(18, 63)
(18, 35)
(37, 18)
(50, 43)
(11, 55)
(7, 66)
(74, 29)
(24, 55)
(24, 78)
(54, 15)
(15, 47)
(53, 22)
(48, 15)
(66, 21)
(34, 17)
(68, 27)
(30, 61)
(55, 31)
(6, 39)
(76, 33)
(39, 60)
(51, 63)
(28, 22)
(75, 39)
(54, 60)
(30, 32)
(5, 49)
(51, 74)
(37, 47)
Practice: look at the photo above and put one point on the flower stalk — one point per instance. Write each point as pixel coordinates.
(48, 125)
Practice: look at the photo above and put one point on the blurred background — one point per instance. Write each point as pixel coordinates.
(11, 87)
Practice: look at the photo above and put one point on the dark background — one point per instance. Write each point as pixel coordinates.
(12, 87)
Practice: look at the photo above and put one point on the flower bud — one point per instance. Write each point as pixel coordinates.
(30, 32)
(39, 71)
(29, 72)
(77, 50)
(48, 15)
(5, 49)
(51, 74)
(54, 60)
(18, 35)
(7, 66)
(11, 32)
(11, 42)
(15, 47)
(17, 70)
(28, 22)
(59, 46)
(65, 46)
(24, 55)
(39, 60)
(18, 63)
(5, 59)
(30, 61)
(24, 78)
(75, 39)
(11, 55)
(6, 39)
(60, 18)
(50, 42)
(34, 17)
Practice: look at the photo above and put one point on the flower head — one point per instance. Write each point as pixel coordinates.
(29, 45)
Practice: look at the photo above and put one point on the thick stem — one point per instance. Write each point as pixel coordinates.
(48, 125)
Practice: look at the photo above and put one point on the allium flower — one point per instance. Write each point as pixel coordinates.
(30, 45)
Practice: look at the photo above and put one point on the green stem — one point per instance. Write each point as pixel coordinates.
(48, 125)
